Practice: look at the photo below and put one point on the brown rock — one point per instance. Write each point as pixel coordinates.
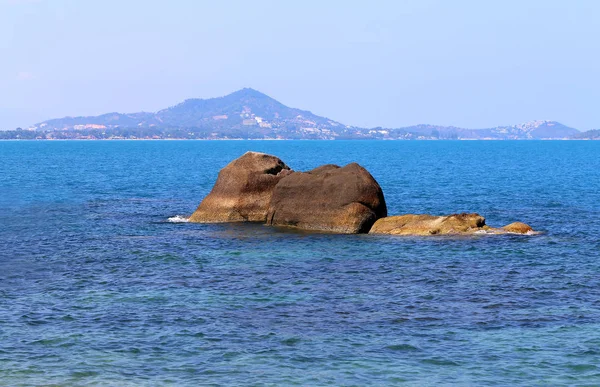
(518, 228)
(429, 224)
(457, 224)
(328, 198)
(243, 190)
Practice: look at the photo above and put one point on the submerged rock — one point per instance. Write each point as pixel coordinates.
(328, 198)
(456, 224)
(243, 190)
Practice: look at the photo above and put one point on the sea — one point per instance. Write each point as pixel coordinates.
(104, 283)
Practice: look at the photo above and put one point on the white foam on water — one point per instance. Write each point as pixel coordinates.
(530, 232)
(178, 219)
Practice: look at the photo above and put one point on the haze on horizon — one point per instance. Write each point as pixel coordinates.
(385, 63)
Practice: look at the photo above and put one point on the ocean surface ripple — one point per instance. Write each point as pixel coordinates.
(103, 282)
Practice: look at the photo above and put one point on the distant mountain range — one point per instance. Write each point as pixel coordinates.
(249, 114)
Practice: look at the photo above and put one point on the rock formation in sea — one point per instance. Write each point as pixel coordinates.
(243, 190)
(257, 187)
(329, 198)
(456, 224)
(260, 188)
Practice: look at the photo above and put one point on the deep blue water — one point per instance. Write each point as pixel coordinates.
(98, 288)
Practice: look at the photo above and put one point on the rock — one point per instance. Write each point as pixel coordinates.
(518, 228)
(243, 190)
(328, 198)
(258, 187)
(429, 224)
(456, 224)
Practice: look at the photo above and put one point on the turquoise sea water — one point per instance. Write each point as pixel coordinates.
(98, 288)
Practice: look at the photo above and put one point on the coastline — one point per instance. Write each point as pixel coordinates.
(295, 139)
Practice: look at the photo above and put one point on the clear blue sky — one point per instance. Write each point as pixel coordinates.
(368, 63)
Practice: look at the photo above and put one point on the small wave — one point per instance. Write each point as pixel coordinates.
(530, 232)
(178, 219)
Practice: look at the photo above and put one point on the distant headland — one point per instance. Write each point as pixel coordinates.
(250, 114)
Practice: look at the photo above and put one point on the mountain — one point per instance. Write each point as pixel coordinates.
(593, 134)
(243, 111)
(238, 106)
(537, 130)
(97, 122)
(533, 130)
(248, 113)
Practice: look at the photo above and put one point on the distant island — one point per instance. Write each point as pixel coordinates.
(250, 114)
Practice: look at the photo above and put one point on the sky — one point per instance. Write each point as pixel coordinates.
(472, 64)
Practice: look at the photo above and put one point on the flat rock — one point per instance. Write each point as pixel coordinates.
(428, 224)
(456, 224)
(329, 198)
(243, 190)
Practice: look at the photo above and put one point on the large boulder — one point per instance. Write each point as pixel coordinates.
(243, 190)
(456, 224)
(328, 198)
